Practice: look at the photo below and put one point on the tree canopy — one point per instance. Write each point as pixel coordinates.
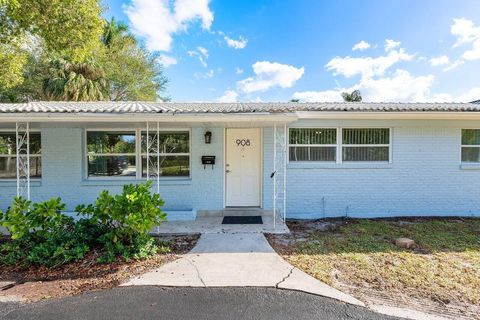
(64, 50)
(355, 96)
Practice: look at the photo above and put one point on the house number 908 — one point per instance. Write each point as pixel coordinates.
(243, 142)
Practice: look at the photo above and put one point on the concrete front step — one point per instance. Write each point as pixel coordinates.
(234, 212)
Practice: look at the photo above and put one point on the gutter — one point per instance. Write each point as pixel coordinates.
(144, 117)
(389, 115)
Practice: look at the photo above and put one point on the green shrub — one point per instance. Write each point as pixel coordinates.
(126, 218)
(135, 211)
(41, 220)
(41, 234)
(117, 225)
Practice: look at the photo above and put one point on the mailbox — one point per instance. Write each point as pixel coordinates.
(208, 160)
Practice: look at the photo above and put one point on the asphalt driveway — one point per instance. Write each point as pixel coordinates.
(151, 302)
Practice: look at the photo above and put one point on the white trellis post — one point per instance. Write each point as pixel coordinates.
(280, 149)
(274, 174)
(285, 151)
(153, 146)
(22, 141)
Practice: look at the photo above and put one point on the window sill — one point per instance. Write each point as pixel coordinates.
(13, 183)
(470, 166)
(345, 165)
(121, 182)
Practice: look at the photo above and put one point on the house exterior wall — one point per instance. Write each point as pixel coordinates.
(425, 176)
(63, 175)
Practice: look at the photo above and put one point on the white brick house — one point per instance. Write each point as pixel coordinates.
(301, 160)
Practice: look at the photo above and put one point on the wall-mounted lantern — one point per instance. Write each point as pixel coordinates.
(208, 137)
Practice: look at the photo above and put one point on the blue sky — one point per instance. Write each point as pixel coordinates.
(266, 50)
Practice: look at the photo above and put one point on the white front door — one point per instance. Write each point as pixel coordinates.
(242, 167)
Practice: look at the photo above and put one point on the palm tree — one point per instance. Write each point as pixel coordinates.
(67, 81)
(355, 96)
(115, 31)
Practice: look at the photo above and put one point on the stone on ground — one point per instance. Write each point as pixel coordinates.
(404, 243)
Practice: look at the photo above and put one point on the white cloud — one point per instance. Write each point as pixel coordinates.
(471, 95)
(166, 61)
(319, 96)
(228, 96)
(474, 52)
(400, 87)
(201, 53)
(439, 61)
(465, 31)
(191, 10)
(366, 66)
(158, 20)
(362, 45)
(236, 44)
(468, 96)
(207, 75)
(453, 65)
(391, 44)
(269, 75)
(238, 70)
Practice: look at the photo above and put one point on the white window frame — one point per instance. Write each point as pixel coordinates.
(40, 155)
(161, 154)
(467, 146)
(138, 154)
(313, 145)
(339, 146)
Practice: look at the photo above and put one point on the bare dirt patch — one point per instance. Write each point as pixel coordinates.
(440, 274)
(36, 283)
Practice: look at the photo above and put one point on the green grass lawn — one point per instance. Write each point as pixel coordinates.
(444, 265)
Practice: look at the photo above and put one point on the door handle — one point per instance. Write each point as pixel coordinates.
(227, 171)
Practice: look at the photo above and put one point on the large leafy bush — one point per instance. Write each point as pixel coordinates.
(127, 218)
(41, 234)
(115, 225)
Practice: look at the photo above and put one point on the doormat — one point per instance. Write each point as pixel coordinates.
(242, 220)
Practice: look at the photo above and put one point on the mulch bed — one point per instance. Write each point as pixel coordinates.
(36, 283)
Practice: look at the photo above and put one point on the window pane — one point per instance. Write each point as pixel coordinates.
(170, 142)
(313, 136)
(366, 136)
(471, 136)
(365, 153)
(312, 153)
(170, 166)
(470, 154)
(8, 143)
(102, 166)
(35, 143)
(8, 167)
(111, 142)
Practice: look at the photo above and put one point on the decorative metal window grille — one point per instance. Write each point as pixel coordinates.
(166, 153)
(22, 137)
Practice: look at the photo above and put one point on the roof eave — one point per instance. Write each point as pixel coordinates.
(390, 115)
(146, 117)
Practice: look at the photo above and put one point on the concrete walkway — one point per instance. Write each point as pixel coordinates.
(236, 260)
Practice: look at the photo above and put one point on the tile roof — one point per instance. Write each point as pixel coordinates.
(206, 107)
